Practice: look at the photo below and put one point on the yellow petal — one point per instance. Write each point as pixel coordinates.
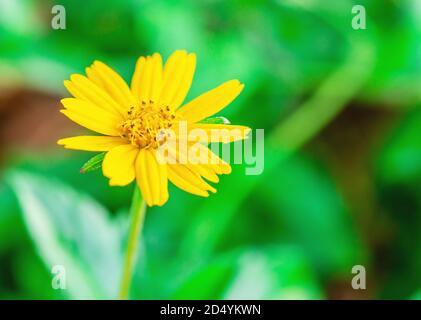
(91, 143)
(90, 116)
(145, 81)
(137, 74)
(199, 132)
(178, 76)
(185, 82)
(205, 171)
(93, 75)
(113, 83)
(217, 164)
(211, 102)
(172, 62)
(152, 178)
(200, 167)
(150, 79)
(118, 164)
(187, 180)
(156, 79)
(83, 88)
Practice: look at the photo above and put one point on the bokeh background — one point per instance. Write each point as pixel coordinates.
(342, 180)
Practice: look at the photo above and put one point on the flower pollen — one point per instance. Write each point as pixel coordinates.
(146, 124)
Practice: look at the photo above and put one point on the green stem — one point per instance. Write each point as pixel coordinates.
(137, 212)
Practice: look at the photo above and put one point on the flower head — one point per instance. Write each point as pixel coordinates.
(137, 122)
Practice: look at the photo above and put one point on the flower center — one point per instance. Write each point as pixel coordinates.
(145, 125)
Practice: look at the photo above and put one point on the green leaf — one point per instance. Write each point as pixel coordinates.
(398, 169)
(208, 281)
(416, 295)
(282, 190)
(400, 158)
(216, 120)
(321, 224)
(272, 272)
(72, 230)
(93, 164)
(278, 272)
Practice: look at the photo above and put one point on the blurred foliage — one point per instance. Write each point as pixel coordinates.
(293, 232)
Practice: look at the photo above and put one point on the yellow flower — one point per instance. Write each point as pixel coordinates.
(132, 119)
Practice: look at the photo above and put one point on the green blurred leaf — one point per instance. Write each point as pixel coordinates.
(66, 167)
(10, 227)
(398, 169)
(313, 215)
(208, 282)
(93, 164)
(72, 230)
(400, 158)
(276, 272)
(416, 295)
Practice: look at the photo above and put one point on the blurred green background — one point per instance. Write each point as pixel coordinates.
(342, 180)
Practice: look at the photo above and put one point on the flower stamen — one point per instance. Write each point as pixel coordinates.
(145, 125)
